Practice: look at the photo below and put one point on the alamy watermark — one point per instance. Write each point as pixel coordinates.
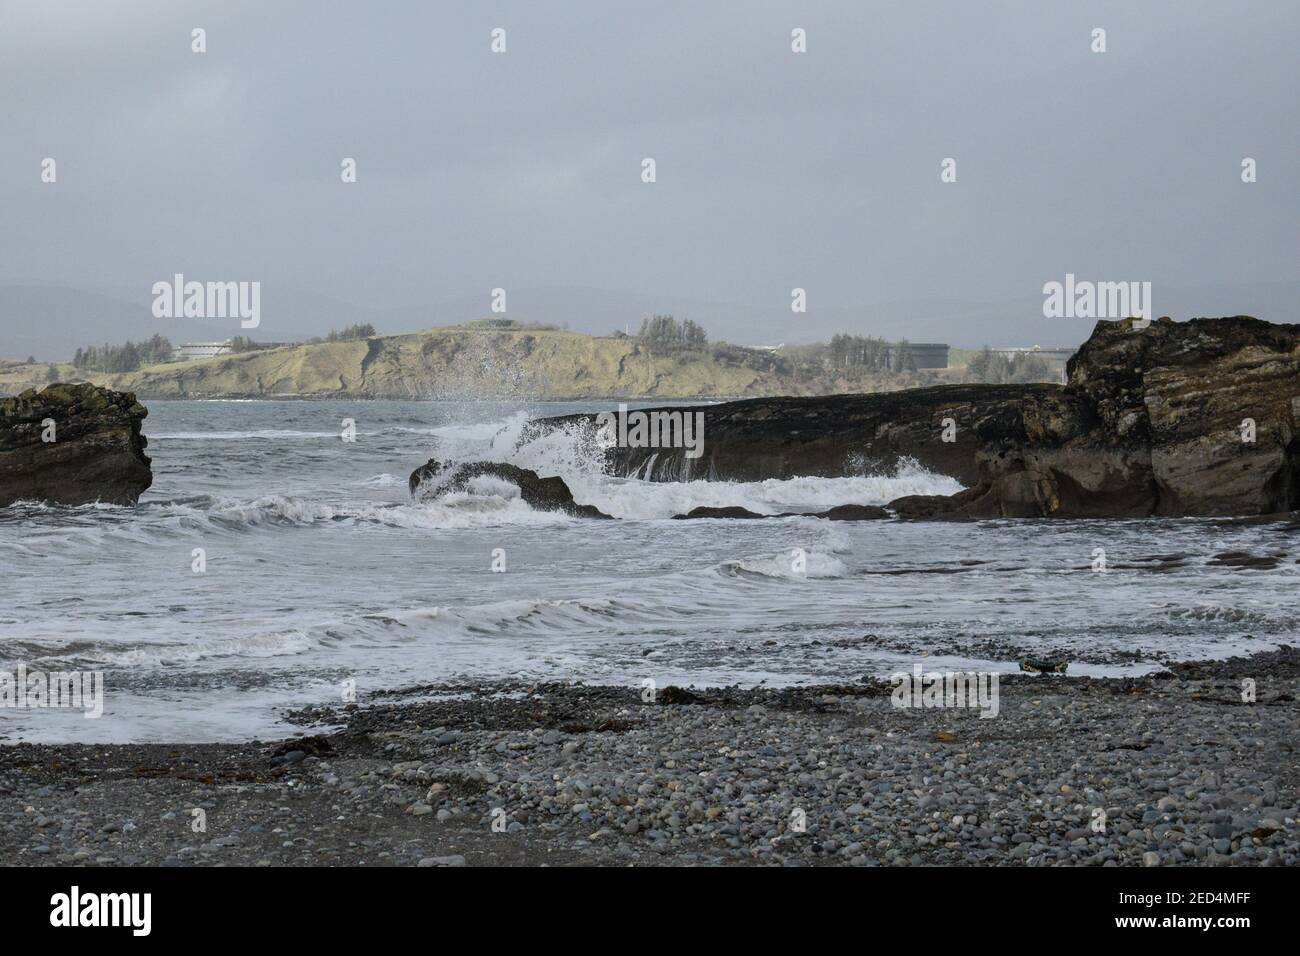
(1083, 299)
(948, 689)
(75, 908)
(675, 429)
(179, 299)
(81, 690)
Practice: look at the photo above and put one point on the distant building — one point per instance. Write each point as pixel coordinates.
(191, 351)
(1056, 358)
(924, 354)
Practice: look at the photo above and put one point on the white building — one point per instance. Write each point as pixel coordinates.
(190, 351)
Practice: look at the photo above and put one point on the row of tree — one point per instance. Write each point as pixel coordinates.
(855, 353)
(848, 352)
(130, 356)
(999, 368)
(350, 334)
(665, 332)
(362, 330)
(870, 354)
(123, 358)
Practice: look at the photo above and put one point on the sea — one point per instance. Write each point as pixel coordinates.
(274, 564)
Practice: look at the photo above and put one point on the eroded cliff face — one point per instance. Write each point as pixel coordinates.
(1152, 421)
(72, 444)
(1157, 421)
(460, 363)
(456, 364)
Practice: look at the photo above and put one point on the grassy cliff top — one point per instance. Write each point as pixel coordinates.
(475, 360)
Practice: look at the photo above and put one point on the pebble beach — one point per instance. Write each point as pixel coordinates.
(1170, 768)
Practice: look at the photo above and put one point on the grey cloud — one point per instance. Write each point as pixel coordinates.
(775, 170)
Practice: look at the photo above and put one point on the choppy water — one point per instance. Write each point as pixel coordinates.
(320, 569)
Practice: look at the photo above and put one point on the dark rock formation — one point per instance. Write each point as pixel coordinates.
(931, 506)
(834, 435)
(733, 511)
(1150, 422)
(97, 453)
(852, 513)
(544, 494)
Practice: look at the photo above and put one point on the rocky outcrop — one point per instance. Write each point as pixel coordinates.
(1175, 419)
(435, 478)
(544, 494)
(833, 436)
(730, 511)
(1152, 421)
(72, 444)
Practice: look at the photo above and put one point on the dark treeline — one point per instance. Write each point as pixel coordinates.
(870, 354)
(665, 332)
(362, 330)
(123, 358)
(856, 353)
(997, 368)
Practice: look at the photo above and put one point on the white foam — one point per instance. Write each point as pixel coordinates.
(260, 645)
(269, 509)
(462, 509)
(815, 565)
(575, 452)
(632, 498)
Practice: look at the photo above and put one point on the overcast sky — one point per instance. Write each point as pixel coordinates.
(774, 169)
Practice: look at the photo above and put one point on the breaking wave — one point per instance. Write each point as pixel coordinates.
(574, 452)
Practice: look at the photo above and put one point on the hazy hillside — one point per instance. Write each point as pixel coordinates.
(452, 363)
(462, 362)
(50, 322)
